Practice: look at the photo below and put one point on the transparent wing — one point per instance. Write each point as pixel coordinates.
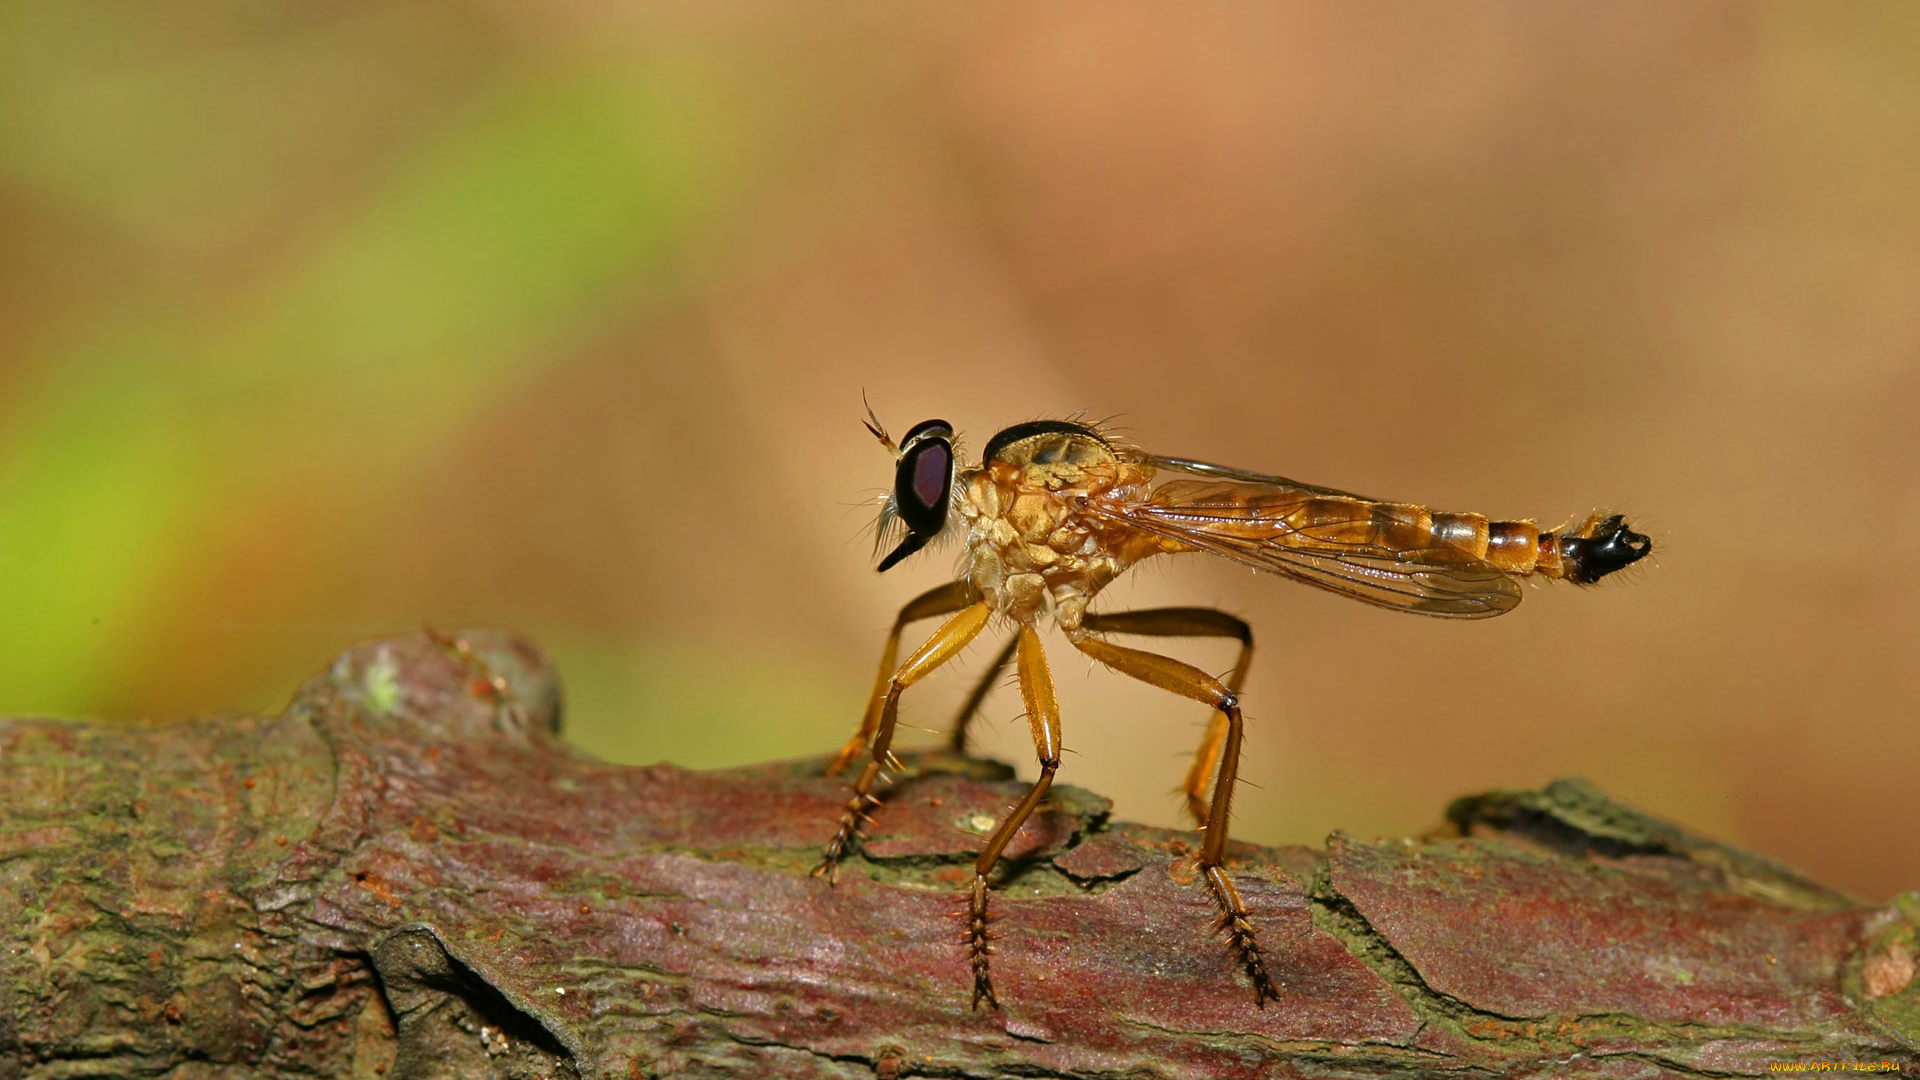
(1378, 552)
(1228, 472)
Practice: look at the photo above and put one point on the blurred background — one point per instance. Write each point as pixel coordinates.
(324, 321)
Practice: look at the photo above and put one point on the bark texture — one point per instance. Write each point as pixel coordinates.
(407, 874)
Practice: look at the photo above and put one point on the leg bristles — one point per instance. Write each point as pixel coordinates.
(1233, 919)
(980, 945)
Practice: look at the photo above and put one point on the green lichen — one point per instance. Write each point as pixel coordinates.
(380, 686)
(1894, 947)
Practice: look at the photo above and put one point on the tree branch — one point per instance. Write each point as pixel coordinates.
(408, 874)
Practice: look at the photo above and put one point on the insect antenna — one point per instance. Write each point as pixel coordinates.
(873, 425)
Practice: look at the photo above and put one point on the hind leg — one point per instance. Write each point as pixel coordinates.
(1189, 681)
(1190, 622)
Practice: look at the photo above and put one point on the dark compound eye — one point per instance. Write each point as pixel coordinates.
(922, 482)
(926, 427)
(932, 474)
(922, 486)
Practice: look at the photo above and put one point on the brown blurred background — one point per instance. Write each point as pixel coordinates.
(324, 321)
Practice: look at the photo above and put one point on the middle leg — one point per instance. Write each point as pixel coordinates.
(1043, 715)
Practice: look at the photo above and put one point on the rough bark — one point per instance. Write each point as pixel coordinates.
(408, 874)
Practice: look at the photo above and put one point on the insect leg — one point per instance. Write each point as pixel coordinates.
(957, 742)
(1190, 622)
(1036, 686)
(942, 600)
(1189, 681)
(955, 634)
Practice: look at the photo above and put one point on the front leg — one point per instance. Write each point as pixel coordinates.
(940, 600)
(954, 635)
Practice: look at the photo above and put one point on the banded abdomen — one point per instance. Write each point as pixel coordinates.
(1396, 555)
(1598, 547)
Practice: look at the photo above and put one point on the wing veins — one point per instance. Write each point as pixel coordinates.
(1439, 580)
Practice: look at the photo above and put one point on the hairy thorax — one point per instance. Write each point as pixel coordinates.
(1027, 546)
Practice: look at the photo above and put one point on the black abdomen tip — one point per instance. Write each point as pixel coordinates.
(1612, 546)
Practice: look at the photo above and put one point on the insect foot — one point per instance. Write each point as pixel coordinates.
(978, 947)
(853, 822)
(1233, 919)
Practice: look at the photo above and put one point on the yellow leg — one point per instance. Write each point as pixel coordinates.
(1189, 681)
(943, 600)
(1190, 622)
(1043, 715)
(954, 635)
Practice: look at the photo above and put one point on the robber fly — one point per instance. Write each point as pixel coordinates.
(1056, 510)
